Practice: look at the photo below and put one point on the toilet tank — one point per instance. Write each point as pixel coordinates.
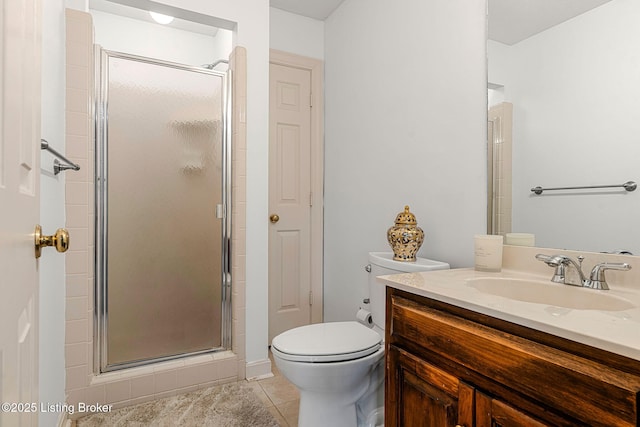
(382, 263)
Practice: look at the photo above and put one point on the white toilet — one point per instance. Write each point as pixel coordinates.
(338, 367)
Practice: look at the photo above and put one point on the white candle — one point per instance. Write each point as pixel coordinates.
(520, 239)
(488, 252)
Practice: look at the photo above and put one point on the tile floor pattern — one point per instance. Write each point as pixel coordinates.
(228, 405)
(277, 394)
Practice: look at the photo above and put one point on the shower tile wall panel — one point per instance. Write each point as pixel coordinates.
(164, 379)
(238, 63)
(79, 36)
(501, 118)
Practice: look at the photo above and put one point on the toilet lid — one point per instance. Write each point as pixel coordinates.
(327, 342)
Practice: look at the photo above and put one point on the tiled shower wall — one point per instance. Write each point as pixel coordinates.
(500, 118)
(158, 380)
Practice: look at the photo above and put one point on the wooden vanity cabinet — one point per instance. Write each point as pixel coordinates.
(448, 367)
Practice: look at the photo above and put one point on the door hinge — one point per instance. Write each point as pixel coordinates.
(310, 199)
(310, 100)
(310, 297)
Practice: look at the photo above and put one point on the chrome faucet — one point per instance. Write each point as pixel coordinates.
(596, 279)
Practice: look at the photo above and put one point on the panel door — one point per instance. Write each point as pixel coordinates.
(19, 208)
(421, 395)
(494, 413)
(289, 198)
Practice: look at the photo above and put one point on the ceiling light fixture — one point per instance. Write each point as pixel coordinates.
(160, 18)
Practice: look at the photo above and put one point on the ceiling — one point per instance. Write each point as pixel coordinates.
(510, 21)
(119, 7)
(317, 9)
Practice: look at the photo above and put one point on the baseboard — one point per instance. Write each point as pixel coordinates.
(258, 369)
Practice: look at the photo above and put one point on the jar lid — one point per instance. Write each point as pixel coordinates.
(406, 217)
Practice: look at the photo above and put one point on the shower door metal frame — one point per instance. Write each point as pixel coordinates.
(100, 114)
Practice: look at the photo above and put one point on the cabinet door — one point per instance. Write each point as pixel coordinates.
(494, 413)
(421, 395)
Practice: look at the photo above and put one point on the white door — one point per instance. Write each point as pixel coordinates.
(289, 198)
(19, 209)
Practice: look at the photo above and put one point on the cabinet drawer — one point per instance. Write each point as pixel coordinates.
(566, 383)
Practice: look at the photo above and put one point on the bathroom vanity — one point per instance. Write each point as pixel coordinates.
(459, 357)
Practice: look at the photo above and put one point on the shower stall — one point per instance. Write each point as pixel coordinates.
(163, 210)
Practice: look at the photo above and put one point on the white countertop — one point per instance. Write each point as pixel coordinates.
(614, 331)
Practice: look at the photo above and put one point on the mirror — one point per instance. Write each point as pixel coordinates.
(568, 99)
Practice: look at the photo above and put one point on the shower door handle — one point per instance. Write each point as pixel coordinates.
(274, 218)
(60, 240)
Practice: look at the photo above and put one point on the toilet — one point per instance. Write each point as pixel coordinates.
(338, 367)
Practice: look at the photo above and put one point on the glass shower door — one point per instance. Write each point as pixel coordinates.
(161, 181)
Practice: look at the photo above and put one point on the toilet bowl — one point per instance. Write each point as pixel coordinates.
(338, 367)
(330, 364)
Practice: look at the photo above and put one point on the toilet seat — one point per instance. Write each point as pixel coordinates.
(326, 342)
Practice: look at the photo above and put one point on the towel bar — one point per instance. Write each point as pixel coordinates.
(629, 186)
(57, 166)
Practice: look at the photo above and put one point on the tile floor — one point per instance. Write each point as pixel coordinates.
(279, 395)
(231, 404)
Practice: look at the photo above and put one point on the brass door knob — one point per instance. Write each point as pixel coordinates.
(274, 218)
(60, 240)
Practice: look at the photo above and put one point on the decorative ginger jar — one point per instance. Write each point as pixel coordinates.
(405, 237)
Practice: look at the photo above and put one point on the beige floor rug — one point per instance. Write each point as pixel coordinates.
(229, 405)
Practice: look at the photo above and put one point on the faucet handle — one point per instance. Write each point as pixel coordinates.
(544, 258)
(553, 260)
(597, 279)
(559, 262)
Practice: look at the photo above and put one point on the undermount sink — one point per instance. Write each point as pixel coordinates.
(549, 293)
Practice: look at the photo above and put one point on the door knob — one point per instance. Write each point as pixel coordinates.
(274, 218)
(60, 240)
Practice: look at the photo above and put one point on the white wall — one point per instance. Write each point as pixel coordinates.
(576, 97)
(297, 34)
(52, 215)
(128, 35)
(405, 122)
(82, 5)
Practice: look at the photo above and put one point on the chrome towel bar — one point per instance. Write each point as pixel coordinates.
(57, 166)
(629, 186)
